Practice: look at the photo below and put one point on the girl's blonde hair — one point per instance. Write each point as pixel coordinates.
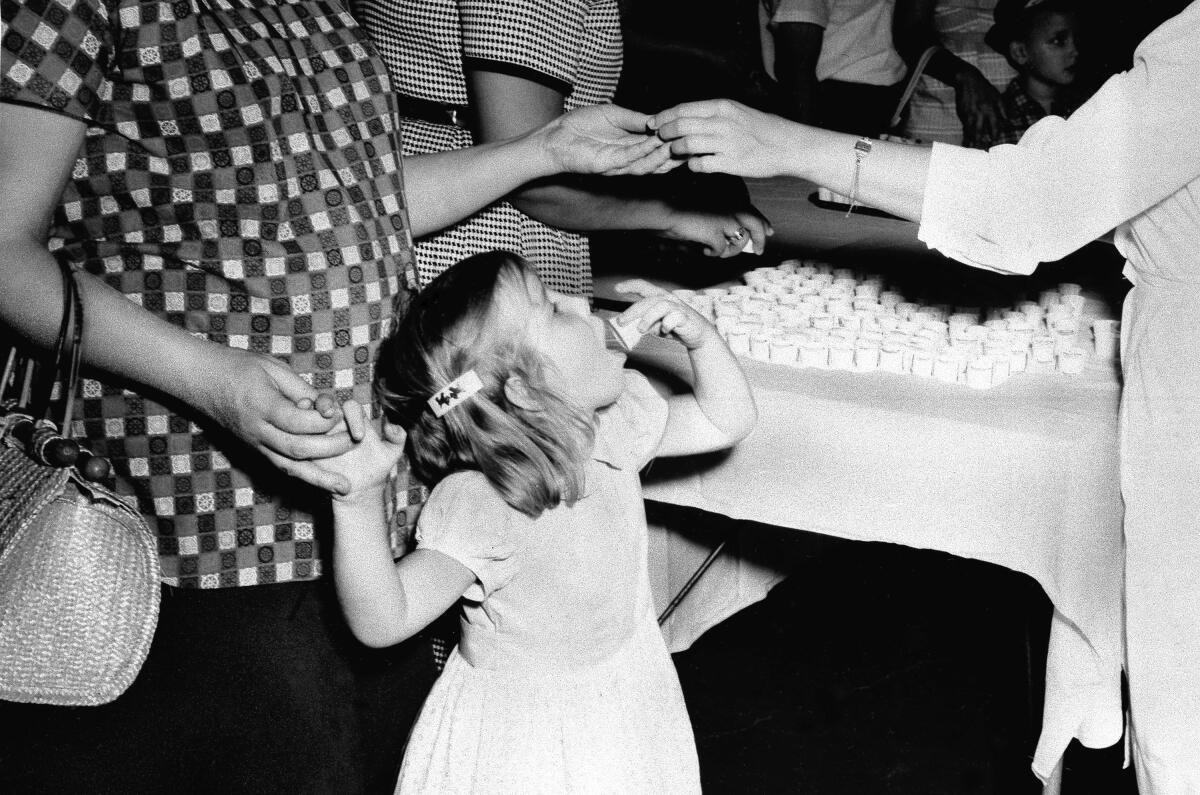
(533, 457)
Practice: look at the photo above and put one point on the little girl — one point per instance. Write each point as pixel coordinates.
(531, 434)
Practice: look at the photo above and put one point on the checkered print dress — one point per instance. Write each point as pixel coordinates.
(240, 178)
(572, 46)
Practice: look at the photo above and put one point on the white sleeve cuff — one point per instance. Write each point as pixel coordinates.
(959, 215)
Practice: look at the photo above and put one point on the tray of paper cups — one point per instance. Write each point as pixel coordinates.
(810, 314)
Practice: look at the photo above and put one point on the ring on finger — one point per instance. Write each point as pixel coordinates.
(737, 236)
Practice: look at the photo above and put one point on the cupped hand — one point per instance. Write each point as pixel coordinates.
(606, 139)
(979, 106)
(659, 312)
(369, 461)
(721, 234)
(265, 404)
(720, 135)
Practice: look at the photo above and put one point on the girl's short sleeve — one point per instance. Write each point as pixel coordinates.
(466, 519)
(56, 55)
(539, 39)
(630, 431)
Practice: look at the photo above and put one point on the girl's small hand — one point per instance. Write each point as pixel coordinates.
(659, 312)
(720, 135)
(365, 466)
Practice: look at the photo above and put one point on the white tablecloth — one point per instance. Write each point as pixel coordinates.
(1023, 475)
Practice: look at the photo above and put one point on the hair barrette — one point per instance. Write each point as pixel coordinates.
(455, 392)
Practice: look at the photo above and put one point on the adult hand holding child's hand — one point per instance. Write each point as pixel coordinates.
(265, 404)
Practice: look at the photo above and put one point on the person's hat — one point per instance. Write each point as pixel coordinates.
(1009, 14)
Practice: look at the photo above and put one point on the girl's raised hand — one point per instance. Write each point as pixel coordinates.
(659, 312)
(366, 465)
(720, 135)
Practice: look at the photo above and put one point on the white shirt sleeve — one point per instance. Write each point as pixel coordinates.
(1136, 142)
(815, 12)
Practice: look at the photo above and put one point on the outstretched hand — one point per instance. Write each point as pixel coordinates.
(606, 139)
(720, 135)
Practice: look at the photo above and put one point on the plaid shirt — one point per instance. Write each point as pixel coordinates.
(1020, 113)
(241, 178)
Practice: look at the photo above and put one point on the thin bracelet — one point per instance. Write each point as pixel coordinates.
(862, 148)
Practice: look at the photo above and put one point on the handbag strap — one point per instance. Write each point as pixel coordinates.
(33, 427)
(911, 86)
(55, 368)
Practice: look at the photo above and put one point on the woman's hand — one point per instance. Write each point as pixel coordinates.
(605, 139)
(726, 136)
(369, 461)
(721, 234)
(260, 400)
(978, 104)
(659, 312)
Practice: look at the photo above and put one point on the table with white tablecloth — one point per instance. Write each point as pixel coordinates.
(1023, 475)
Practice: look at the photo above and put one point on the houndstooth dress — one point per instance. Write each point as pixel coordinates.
(573, 47)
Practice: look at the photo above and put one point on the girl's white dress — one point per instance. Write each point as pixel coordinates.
(561, 682)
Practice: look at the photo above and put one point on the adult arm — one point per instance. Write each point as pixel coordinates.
(1067, 183)
(254, 396)
(508, 105)
(976, 100)
(797, 51)
(442, 188)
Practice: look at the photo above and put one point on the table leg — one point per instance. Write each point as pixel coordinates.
(690, 584)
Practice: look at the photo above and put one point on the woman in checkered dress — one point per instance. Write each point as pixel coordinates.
(226, 175)
(472, 71)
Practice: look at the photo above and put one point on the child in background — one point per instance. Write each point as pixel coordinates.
(531, 435)
(1040, 40)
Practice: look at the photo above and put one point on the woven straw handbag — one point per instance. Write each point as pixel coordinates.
(79, 574)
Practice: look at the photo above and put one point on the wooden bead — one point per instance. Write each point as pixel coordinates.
(60, 452)
(92, 467)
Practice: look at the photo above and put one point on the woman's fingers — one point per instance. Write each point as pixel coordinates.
(290, 418)
(701, 109)
(758, 228)
(656, 160)
(326, 405)
(698, 145)
(626, 119)
(302, 446)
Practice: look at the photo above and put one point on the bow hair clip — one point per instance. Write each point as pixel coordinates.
(454, 393)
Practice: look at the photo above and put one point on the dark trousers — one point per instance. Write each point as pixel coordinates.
(246, 690)
(857, 108)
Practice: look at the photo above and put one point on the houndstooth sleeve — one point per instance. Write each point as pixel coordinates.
(544, 41)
